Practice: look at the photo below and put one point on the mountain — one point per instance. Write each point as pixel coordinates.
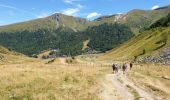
(67, 41)
(62, 32)
(137, 20)
(151, 45)
(34, 36)
(52, 22)
(67, 33)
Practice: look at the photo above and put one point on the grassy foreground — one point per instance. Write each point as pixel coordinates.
(152, 78)
(38, 81)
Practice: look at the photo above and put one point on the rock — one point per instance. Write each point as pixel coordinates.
(163, 58)
(166, 51)
(166, 77)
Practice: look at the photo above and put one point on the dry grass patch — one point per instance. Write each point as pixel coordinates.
(149, 77)
(37, 81)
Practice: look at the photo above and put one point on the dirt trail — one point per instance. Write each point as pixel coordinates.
(108, 91)
(63, 60)
(118, 87)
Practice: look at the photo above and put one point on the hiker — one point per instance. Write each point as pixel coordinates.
(124, 67)
(115, 68)
(131, 65)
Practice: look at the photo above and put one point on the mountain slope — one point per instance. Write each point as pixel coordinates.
(137, 20)
(52, 22)
(67, 41)
(163, 22)
(148, 43)
(153, 42)
(10, 57)
(107, 36)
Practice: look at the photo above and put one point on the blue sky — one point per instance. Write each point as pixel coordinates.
(13, 11)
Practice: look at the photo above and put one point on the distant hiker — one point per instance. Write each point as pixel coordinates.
(131, 65)
(115, 68)
(124, 67)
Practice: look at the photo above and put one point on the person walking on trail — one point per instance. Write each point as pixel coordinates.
(115, 68)
(124, 67)
(131, 65)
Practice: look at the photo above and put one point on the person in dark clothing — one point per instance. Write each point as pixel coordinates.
(124, 67)
(131, 65)
(115, 68)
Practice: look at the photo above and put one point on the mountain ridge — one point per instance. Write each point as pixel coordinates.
(86, 21)
(68, 33)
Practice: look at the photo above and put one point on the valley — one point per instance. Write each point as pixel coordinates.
(79, 79)
(62, 57)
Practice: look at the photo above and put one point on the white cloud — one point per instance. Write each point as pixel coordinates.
(56, 12)
(93, 15)
(71, 11)
(43, 15)
(33, 8)
(155, 7)
(79, 5)
(70, 1)
(119, 13)
(7, 6)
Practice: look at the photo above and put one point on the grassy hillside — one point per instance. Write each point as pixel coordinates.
(137, 20)
(11, 57)
(151, 42)
(50, 23)
(30, 25)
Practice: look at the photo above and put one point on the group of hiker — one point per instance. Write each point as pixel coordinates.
(115, 67)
